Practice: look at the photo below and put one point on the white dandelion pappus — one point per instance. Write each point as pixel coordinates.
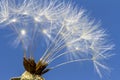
(67, 31)
(4, 11)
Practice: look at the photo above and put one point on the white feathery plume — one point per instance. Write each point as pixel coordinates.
(4, 11)
(67, 30)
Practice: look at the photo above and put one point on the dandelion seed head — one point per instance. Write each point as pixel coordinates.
(67, 31)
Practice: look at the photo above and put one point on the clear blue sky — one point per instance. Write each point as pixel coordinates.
(107, 11)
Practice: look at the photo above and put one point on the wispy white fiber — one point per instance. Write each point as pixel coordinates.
(66, 29)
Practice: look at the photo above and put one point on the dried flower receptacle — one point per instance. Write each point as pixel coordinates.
(33, 71)
(28, 76)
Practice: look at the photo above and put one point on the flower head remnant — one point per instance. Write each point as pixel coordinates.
(64, 29)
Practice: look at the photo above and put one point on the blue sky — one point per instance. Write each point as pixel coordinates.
(107, 11)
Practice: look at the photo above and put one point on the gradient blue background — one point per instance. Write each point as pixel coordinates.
(107, 11)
